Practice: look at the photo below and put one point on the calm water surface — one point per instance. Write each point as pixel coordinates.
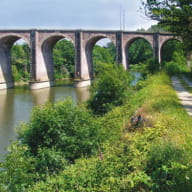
(16, 105)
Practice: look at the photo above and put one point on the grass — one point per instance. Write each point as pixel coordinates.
(156, 156)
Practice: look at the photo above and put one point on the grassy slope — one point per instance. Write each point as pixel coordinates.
(154, 157)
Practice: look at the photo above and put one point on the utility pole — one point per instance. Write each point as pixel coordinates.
(122, 19)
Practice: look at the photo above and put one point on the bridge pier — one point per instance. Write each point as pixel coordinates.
(6, 85)
(41, 84)
(156, 49)
(82, 83)
(42, 75)
(83, 68)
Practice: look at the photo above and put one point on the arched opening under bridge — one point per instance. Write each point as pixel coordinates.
(58, 57)
(64, 59)
(169, 48)
(14, 60)
(20, 61)
(100, 51)
(138, 51)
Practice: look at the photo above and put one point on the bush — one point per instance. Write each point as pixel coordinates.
(17, 171)
(16, 75)
(110, 89)
(177, 65)
(64, 127)
(150, 66)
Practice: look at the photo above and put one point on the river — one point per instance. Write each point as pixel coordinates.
(16, 105)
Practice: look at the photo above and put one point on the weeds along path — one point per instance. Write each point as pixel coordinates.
(183, 94)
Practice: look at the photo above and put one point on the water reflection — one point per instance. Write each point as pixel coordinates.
(6, 118)
(16, 105)
(83, 94)
(42, 96)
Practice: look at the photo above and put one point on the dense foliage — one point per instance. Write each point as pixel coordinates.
(155, 156)
(20, 55)
(175, 15)
(169, 48)
(64, 127)
(177, 65)
(139, 51)
(112, 88)
(64, 59)
(102, 56)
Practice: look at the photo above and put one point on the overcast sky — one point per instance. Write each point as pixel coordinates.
(72, 14)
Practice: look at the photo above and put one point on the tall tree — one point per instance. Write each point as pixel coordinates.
(102, 56)
(20, 56)
(63, 58)
(176, 15)
(139, 51)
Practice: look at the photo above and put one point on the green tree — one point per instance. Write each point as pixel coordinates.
(177, 65)
(169, 48)
(110, 89)
(63, 59)
(175, 15)
(112, 51)
(139, 51)
(157, 28)
(20, 55)
(102, 56)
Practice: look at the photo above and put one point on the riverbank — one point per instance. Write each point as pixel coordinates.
(58, 81)
(153, 156)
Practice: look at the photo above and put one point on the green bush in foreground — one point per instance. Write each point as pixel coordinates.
(154, 158)
(63, 127)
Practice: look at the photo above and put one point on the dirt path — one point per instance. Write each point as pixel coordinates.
(183, 94)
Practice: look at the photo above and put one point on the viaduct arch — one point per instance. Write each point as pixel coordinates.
(41, 43)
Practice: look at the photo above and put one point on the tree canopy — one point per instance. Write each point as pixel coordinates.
(139, 51)
(176, 15)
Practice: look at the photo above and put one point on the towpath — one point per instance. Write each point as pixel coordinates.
(183, 94)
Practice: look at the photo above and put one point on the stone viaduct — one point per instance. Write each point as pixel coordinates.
(41, 43)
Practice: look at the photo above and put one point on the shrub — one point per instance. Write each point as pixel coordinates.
(64, 127)
(177, 65)
(110, 89)
(16, 75)
(17, 170)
